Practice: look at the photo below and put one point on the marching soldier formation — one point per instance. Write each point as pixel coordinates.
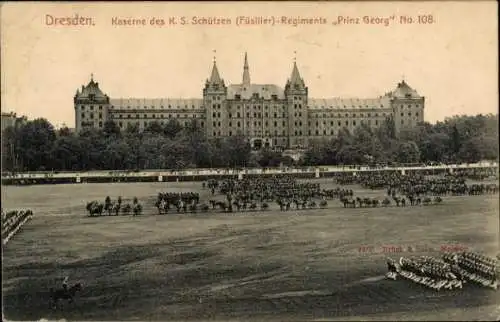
(452, 272)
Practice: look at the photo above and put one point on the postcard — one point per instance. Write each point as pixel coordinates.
(279, 161)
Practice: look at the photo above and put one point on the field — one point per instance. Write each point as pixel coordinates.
(270, 265)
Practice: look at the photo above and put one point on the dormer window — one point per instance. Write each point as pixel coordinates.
(237, 97)
(408, 95)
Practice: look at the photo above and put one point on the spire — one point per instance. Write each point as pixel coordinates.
(295, 78)
(246, 72)
(215, 77)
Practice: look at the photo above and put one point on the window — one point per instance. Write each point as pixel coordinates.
(154, 116)
(284, 124)
(215, 123)
(248, 114)
(145, 116)
(416, 114)
(354, 123)
(376, 122)
(275, 123)
(128, 116)
(91, 107)
(239, 124)
(100, 124)
(317, 132)
(100, 115)
(230, 133)
(83, 114)
(218, 124)
(409, 114)
(402, 114)
(91, 115)
(339, 123)
(100, 107)
(230, 124)
(238, 114)
(230, 115)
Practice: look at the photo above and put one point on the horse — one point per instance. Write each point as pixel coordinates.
(64, 294)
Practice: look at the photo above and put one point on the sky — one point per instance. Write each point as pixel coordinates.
(453, 61)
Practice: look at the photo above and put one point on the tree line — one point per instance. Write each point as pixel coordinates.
(36, 145)
(459, 139)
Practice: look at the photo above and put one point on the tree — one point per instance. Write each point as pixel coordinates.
(38, 137)
(236, 150)
(110, 128)
(154, 128)
(172, 128)
(408, 152)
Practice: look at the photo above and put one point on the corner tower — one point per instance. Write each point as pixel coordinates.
(407, 106)
(91, 106)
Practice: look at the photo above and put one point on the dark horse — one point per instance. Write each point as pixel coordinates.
(64, 294)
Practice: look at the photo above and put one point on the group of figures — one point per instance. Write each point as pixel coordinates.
(183, 202)
(452, 271)
(400, 201)
(12, 221)
(415, 185)
(285, 190)
(114, 208)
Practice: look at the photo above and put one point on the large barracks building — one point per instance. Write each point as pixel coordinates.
(267, 114)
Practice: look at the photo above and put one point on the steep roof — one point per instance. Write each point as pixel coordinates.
(349, 103)
(246, 92)
(403, 90)
(92, 88)
(295, 77)
(215, 77)
(157, 103)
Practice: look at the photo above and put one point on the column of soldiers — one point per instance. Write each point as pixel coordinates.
(451, 272)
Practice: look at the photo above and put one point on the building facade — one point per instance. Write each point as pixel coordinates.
(266, 114)
(11, 119)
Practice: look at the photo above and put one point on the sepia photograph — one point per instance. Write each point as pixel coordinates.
(250, 161)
